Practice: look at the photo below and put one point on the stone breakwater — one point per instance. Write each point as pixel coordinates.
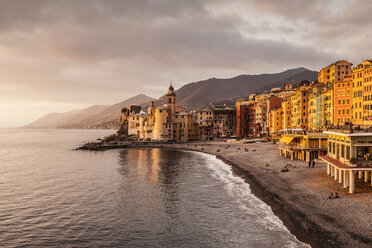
(299, 197)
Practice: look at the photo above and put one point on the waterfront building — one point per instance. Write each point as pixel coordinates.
(243, 110)
(182, 128)
(349, 154)
(299, 108)
(299, 144)
(273, 102)
(275, 120)
(224, 122)
(134, 122)
(334, 72)
(326, 106)
(358, 80)
(205, 121)
(167, 122)
(260, 118)
(367, 92)
(312, 111)
(342, 101)
(131, 114)
(287, 116)
(315, 109)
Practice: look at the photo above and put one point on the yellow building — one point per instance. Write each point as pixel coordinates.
(334, 72)
(275, 121)
(326, 107)
(302, 145)
(168, 122)
(349, 155)
(312, 111)
(287, 116)
(299, 108)
(183, 128)
(357, 97)
(366, 70)
(261, 113)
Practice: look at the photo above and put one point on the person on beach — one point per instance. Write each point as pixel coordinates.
(336, 195)
(313, 163)
(309, 163)
(331, 196)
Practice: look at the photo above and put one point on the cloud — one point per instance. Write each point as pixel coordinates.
(100, 52)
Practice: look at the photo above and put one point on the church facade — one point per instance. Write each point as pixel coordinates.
(168, 122)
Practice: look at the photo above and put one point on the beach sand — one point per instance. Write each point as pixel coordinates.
(298, 197)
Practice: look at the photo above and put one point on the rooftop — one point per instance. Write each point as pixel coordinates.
(349, 134)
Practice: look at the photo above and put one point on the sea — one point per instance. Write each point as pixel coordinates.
(54, 196)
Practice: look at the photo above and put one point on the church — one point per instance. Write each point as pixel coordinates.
(167, 122)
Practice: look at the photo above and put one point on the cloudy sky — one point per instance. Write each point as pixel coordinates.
(61, 55)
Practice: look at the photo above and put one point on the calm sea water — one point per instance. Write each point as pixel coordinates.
(53, 196)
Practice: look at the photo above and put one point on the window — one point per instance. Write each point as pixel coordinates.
(329, 147)
(334, 148)
(347, 152)
(342, 151)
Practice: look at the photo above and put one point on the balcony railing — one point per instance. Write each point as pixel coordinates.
(300, 147)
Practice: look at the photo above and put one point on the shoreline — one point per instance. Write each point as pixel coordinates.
(290, 217)
(299, 197)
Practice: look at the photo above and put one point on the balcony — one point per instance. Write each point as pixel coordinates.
(293, 147)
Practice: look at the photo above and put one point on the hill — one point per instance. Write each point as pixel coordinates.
(98, 116)
(193, 96)
(196, 95)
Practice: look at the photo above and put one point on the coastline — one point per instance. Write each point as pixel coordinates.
(297, 197)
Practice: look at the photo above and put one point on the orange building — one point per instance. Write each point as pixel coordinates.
(334, 72)
(275, 120)
(342, 91)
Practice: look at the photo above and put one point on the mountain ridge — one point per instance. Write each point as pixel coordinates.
(96, 116)
(193, 96)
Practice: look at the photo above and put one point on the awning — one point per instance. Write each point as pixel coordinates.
(286, 139)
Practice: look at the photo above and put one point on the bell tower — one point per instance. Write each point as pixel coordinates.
(171, 103)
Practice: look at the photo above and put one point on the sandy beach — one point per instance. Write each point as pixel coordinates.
(299, 197)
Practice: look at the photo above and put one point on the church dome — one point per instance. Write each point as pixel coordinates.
(171, 88)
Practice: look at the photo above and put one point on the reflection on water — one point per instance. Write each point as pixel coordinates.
(52, 196)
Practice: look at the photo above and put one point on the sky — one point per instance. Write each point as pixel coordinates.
(57, 56)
